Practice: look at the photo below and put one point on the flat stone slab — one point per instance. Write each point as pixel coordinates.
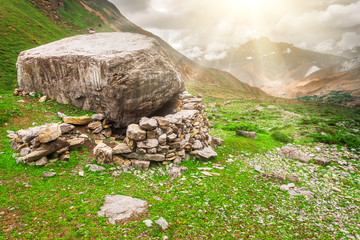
(122, 208)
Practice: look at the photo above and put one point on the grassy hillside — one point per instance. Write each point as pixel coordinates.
(24, 26)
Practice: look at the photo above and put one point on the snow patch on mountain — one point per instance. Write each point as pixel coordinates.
(312, 70)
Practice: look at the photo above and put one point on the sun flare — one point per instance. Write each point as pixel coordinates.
(248, 4)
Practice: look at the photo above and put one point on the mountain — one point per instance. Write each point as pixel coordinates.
(28, 23)
(269, 65)
(344, 77)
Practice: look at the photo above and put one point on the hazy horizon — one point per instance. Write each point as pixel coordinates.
(207, 29)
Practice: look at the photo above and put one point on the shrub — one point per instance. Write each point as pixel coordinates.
(242, 126)
(337, 138)
(307, 121)
(281, 137)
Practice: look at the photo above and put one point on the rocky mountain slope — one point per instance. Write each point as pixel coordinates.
(269, 65)
(344, 76)
(46, 21)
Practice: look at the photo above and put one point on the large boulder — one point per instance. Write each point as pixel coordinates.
(124, 75)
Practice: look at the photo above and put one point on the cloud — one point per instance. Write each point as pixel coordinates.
(341, 16)
(349, 40)
(195, 27)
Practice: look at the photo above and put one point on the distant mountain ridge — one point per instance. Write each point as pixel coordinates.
(344, 76)
(269, 65)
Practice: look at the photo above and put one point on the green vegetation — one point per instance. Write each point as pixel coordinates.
(334, 97)
(236, 204)
(281, 137)
(36, 29)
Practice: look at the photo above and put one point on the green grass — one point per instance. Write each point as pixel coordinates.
(236, 204)
(24, 26)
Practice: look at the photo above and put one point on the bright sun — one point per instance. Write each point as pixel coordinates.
(248, 4)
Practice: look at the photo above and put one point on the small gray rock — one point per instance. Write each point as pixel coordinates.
(246, 134)
(95, 168)
(148, 222)
(162, 222)
(259, 169)
(48, 174)
(175, 171)
(140, 164)
(207, 153)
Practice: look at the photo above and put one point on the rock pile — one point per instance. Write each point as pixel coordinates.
(164, 139)
(156, 139)
(43, 144)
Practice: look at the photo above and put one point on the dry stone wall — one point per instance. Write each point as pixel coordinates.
(164, 138)
(159, 139)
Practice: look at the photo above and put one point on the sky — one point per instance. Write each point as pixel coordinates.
(209, 28)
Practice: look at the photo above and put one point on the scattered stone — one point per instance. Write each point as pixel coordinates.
(122, 208)
(162, 223)
(207, 153)
(175, 171)
(95, 168)
(217, 141)
(246, 134)
(322, 161)
(83, 136)
(148, 222)
(84, 120)
(259, 169)
(107, 132)
(48, 174)
(299, 191)
(138, 164)
(42, 99)
(293, 178)
(293, 153)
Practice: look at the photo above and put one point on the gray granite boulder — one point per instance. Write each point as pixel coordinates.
(125, 76)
